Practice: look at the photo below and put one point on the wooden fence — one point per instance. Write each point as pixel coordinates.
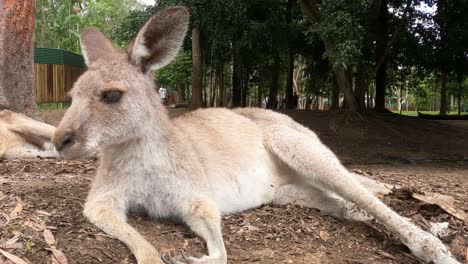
(53, 81)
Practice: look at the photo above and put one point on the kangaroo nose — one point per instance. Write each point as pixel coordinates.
(67, 139)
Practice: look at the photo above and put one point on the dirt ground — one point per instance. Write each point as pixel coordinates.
(419, 155)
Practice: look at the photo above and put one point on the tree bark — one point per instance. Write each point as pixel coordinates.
(459, 103)
(245, 87)
(197, 69)
(345, 85)
(335, 102)
(443, 94)
(236, 78)
(459, 95)
(381, 57)
(361, 87)
(289, 82)
(214, 88)
(273, 95)
(17, 92)
(221, 85)
(182, 98)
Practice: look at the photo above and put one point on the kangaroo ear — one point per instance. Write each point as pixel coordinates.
(160, 39)
(95, 45)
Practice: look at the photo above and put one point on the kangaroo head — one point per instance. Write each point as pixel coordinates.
(115, 97)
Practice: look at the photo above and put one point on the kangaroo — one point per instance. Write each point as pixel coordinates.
(204, 164)
(24, 137)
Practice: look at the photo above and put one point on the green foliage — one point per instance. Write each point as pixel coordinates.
(258, 31)
(59, 22)
(178, 72)
(342, 22)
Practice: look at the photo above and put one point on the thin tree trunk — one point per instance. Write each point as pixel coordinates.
(459, 95)
(273, 95)
(335, 102)
(214, 87)
(245, 88)
(289, 82)
(236, 78)
(182, 98)
(360, 89)
(259, 95)
(443, 94)
(205, 84)
(197, 69)
(221, 85)
(17, 92)
(368, 97)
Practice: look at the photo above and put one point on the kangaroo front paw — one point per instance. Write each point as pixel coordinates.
(194, 260)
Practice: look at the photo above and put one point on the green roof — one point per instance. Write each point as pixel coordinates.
(58, 56)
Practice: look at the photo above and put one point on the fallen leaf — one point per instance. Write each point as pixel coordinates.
(446, 202)
(5, 180)
(12, 257)
(62, 259)
(34, 225)
(28, 245)
(17, 245)
(49, 238)
(53, 260)
(324, 235)
(251, 227)
(12, 240)
(43, 213)
(17, 210)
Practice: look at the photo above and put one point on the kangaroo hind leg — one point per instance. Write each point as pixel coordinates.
(318, 167)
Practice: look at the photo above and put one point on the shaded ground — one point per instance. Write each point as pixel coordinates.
(420, 155)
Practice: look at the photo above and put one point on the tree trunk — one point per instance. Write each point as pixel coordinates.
(273, 95)
(342, 78)
(214, 87)
(381, 60)
(221, 85)
(443, 94)
(259, 95)
(236, 78)
(17, 92)
(197, 69)
(459, 95)
(361, 87)
(182, 98)
(368, 97)
(289, 82)
(245, 87)
(335, 102)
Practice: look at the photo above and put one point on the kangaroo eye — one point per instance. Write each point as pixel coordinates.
(111, 97)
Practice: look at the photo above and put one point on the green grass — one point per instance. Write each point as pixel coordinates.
(414, 113)
(53, 106)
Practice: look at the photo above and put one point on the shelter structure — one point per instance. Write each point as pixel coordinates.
(55, 72)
